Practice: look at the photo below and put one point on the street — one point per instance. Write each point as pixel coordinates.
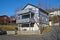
(4, 37)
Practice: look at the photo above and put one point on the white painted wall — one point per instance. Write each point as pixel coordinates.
(50, 23)
(36, 26)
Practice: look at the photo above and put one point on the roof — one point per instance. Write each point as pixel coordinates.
(4, 16)
(38, 8)
(52, 10)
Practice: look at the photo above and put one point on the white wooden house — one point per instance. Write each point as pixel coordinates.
(29, 18)
(55, 14)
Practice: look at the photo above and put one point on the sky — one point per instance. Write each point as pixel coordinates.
(8, 7)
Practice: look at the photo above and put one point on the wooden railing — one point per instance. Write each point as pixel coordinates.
(25, 20)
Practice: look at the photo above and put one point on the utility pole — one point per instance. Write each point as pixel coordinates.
(58, 19)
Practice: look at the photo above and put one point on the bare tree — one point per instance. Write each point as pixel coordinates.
(17, 9)
(38, 21)
(44, 5)
(40, 24)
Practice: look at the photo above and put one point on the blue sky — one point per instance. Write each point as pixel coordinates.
(8, 7)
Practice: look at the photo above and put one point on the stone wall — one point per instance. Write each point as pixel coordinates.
(10, 32)
(28, 32)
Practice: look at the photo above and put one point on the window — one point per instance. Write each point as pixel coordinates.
(26, 16)
(42, 18)
(32, 24)
(27, 25)
(46, 19)
(32, 14)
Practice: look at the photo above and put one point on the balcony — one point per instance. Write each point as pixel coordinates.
(25, 20)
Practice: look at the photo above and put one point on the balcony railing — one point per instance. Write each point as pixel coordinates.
(25, 20)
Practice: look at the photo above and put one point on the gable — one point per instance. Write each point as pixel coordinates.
(31, 7)
(35, 8)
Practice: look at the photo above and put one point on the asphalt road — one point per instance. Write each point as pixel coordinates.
(4, 37)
